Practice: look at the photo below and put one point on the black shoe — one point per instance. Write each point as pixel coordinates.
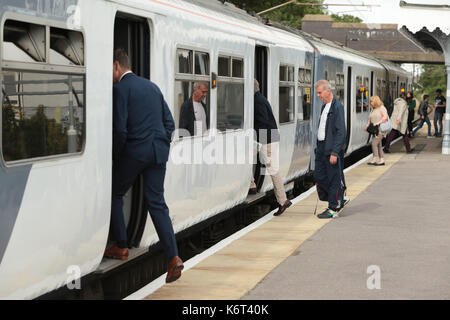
(328, 214)
(411, 150)
(386, 150)
(252, 191)
(282, 208)
(379, 164)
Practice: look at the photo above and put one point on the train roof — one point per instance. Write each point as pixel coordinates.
(221, 16)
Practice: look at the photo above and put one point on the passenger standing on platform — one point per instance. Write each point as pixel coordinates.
(377, 115)
(423, 112)
(143, 127)
(411, 106)
(399, 120)
(193, 113)
(439, 112)
(267, 134)
(331, 139)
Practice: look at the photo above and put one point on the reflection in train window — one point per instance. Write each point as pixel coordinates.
(366, 95)
(193, 66)
(304, 94)
(230, 94)
(43, 114)
(286, 94)
(359, 94)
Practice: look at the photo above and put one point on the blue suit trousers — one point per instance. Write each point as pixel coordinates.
(124, 175)
(330, 177)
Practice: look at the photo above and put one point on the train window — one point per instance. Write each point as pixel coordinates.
(43, 114)
(193, 66)
(366, 95)
(66, 47)
(238, 68)
(185, 61)
(340, 87)
(24, 42)
(201, 63)
(304, 94)
(224, 68)
(359, 94)
(230, 95)
(286, 94)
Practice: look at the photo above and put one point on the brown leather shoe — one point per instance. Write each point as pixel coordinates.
(174, 269)
(252, 191)
(117, 253)
(282, 208)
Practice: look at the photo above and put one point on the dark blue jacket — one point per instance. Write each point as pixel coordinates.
(187, 117)
(143, 124)
(335, 133)
(264, 119)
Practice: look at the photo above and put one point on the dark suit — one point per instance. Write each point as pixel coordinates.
(331, 177)
(264, 120)
(187, 117)
(143, 127)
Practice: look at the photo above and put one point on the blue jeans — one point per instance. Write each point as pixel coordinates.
(438, 118)
(427, 120)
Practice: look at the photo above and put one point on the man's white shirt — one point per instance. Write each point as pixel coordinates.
(323, 122)
(200, 118)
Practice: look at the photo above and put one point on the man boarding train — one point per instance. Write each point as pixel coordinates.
(142, 132)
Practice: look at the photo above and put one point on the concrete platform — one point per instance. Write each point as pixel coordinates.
(397, 221)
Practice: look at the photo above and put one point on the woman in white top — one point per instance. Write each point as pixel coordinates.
(377, 115)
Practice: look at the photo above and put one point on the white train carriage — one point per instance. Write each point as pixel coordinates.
(56, 75)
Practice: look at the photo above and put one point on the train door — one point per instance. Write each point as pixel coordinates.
(349, 105)
(132, 34)
(261, 75)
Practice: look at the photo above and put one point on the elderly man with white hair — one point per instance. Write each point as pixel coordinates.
(331, 139)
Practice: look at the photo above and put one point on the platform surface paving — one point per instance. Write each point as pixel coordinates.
(397, 221)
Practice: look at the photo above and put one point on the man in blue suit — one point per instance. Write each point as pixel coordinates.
(142, 128)
(331, 137)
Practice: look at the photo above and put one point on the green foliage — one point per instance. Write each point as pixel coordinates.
(290, 14)
(432, 77)
(37, 136)
(346, 18)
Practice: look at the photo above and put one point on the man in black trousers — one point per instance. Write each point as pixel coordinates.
(328, 172)
(143, 127)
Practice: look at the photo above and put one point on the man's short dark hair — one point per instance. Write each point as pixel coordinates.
(121, 56)
(439, 90)
(425, 96)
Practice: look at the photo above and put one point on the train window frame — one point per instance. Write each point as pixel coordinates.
(191, 78)
(48, 68)
(231, 79)
(358, 87)
(304, 87)
(366, 94)
(286, 81)
(340, 87)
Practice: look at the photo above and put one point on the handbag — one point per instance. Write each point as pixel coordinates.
(386, 126)
(372, 129)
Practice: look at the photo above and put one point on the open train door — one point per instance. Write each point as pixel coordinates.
(132, 34)
(349, 106)
(261, 74)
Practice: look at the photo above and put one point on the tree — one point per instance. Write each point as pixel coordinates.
(432, 77)
(290, 14)
(345, 18)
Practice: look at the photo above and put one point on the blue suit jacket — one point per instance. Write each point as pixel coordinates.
(143, 124)
(264, 119)
(335, 133)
